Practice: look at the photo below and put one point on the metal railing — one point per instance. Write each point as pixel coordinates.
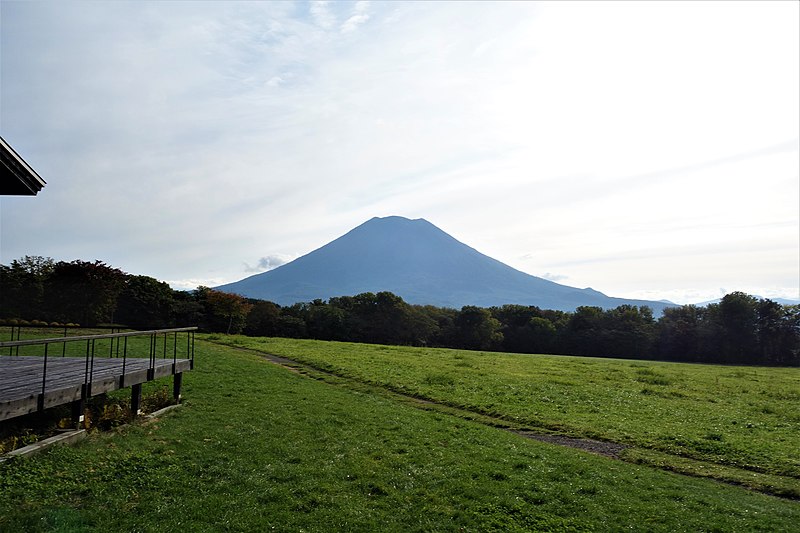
(35, 331)
(115, 340)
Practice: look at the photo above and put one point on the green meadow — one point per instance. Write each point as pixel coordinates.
(739, 424)
(260, 447)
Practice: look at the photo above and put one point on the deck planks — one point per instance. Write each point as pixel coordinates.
(21, 379)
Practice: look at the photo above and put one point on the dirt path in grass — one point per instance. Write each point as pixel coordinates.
(607, 449)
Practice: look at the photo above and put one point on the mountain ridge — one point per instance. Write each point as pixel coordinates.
(420, 263)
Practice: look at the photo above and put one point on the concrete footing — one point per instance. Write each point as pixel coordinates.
(69, 437)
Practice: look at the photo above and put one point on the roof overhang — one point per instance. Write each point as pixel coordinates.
(17, 178)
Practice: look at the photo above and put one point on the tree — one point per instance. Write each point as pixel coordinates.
(677, 333)
(627, 331)
(262, 320)
(187, 310)
(515, 323)
(789, 352)
(710, 334)
(22, 287)
(382, 318)
(476, 329)
(778, 333)
(291, 326)
(543, 334)
(739, 316)
(224, 311)
(441, 320)
(579, 336)
(84, 292)
(145, 303)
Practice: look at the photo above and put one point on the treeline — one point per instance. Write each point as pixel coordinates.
(741, 329)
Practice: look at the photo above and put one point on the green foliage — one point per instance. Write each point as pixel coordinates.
(476, 329)
(112, 415)
(22, 286)
(262, 320)
(157, 399)
(225, 312)
(85, 292)
(21, 431)
(145, 303)
(23, 438)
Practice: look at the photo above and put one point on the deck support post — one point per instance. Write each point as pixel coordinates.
(177, 381)
(76, 408)
(136, 400)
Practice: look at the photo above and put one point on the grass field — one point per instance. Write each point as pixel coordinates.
(257, 447)
(740, 424)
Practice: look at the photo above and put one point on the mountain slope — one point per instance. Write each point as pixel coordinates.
(419, 262)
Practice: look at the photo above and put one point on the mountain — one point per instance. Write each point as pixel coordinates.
(782, 301)
(419, 262)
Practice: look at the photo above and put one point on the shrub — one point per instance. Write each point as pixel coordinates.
(157, 400)
(113, 415)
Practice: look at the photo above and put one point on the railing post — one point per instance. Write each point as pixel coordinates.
(85, 390)
(124, 361)
(91, 369)
(76, 409)
(40, 405)
(153, 343)
(136, 400)
(177, 381)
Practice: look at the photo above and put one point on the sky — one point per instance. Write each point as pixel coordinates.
(644, 149)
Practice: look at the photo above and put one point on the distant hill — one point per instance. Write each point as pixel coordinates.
(782, 301)
(419, 262)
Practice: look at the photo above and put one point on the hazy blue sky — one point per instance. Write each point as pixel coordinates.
(644, 149)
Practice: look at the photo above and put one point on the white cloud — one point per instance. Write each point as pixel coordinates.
(269, 262)
(193, 283)
(359, 17)
(322, 14)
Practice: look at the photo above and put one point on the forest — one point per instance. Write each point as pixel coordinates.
(741, 329)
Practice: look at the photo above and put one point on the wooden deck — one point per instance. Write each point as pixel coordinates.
(30, 383)
(21, 379)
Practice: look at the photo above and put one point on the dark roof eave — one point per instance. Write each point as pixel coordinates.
(18, 177)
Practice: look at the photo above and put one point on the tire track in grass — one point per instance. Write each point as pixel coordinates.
(607, 449)
(611, 450)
